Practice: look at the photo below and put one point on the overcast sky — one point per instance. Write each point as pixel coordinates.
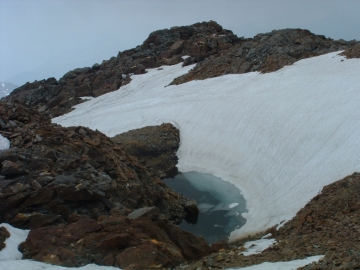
(47, 38)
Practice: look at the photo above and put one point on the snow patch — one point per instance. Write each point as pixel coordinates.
(4, 143)
(87, 98)
(257, 246)
(11, 252)
(290, 265)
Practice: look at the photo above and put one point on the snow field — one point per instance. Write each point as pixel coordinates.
(278, 137)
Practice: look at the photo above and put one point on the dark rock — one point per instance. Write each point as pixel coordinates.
(10, 168)
(153, 146)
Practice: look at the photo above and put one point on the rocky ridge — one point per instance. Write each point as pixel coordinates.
(162, 47)
(214, 50)
(265, 53)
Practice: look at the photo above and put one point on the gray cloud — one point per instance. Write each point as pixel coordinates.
(41, 38)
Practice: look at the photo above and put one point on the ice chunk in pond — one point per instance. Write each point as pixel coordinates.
(233, 205)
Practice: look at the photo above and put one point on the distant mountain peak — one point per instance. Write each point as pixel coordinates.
(6, 88)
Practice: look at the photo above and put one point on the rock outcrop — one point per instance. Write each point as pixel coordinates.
(265, 53)
(139, 243)
(53, 174)
(154, 147)
(352, 52)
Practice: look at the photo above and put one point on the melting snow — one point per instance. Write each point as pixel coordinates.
(11, 252)
(281, 265)
(279, 137)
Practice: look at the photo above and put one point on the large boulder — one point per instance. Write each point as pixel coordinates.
(137, 243)
(154, 147)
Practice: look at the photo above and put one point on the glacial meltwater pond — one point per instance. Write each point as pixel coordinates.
(220, 204)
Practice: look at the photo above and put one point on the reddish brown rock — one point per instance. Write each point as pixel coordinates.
(114, 241)
(3, 235)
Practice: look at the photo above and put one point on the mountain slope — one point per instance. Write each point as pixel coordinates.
(216, 51)
(279, 137)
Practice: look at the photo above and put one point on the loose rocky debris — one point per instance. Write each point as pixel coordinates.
(163, 47)
(3, 235)
(352, 52)
(328, 225)
(265, 53)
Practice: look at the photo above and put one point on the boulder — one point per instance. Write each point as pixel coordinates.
(114, 240)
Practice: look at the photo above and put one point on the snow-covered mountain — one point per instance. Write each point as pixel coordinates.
(6, 88)
(279, 137)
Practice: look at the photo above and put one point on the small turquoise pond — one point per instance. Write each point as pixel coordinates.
(219, 202)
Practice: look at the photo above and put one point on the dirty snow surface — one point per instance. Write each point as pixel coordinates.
(279, 137)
